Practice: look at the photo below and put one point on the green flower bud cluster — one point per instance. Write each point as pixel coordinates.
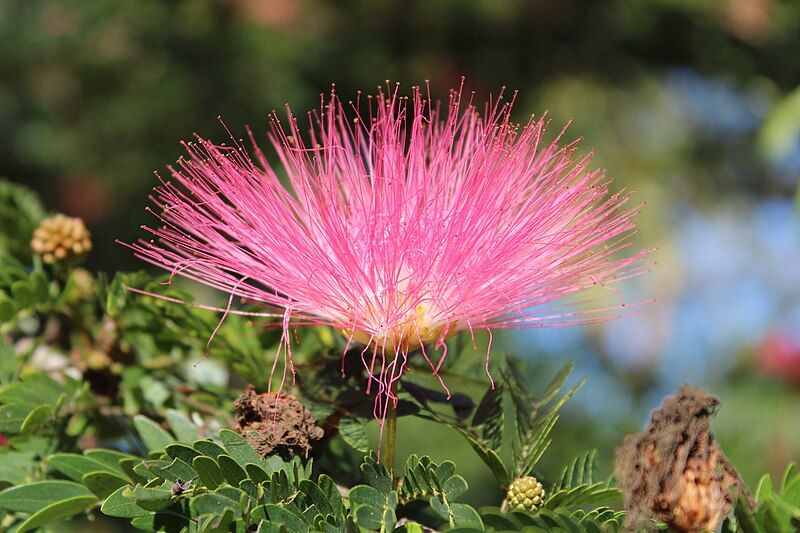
(525, 494)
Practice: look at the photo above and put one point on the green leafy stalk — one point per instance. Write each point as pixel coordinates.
(389, 442)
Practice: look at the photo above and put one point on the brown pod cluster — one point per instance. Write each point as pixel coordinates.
(61, 238)
(275, 423)
(674, 471)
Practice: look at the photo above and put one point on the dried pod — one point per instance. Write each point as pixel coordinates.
(674, 471)
(275, 423)
(61, 238)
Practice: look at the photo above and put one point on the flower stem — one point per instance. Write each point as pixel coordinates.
(390, 434)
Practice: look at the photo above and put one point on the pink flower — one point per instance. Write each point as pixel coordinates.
(399, 227)
(778, 355)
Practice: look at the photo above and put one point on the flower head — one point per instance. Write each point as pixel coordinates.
(398, 223)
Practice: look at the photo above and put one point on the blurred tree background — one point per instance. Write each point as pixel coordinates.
(693, 103)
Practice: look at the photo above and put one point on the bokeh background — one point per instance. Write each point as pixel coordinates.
(693, 103)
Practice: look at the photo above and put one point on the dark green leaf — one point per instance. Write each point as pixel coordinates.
(183, 452)
(209, 448)
(231, 470)
(8, 310)
(256, 473)
(208, 471)
(22, 293)
(489, 417)
(171, 520)
(293, 521)
(238, 448)
(315, 494)
(354, 433)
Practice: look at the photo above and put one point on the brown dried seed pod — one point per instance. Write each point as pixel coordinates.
(674, 471)
(275, 423)
(61, 238)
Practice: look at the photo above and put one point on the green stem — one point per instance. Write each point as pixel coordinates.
(390, 434)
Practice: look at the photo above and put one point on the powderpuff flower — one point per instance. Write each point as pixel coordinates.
(398, 223)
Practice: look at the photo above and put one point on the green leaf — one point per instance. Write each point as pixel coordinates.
(495, 520)
(8, 363)
(238, 448)
(22, 293)
(16, 467)
(129, 467)
(118, 293)
(423, 479)
(293, 521)
(314, 493)
(32, 497)
(789, 474)
(744, 517)
(38, 284)
(231, 470)
(489, 417)
(183, 452)
(764, 490)
(208, 471)
(373, 509)
(170, 471)
(213, 503)
(216, 523)
(251, 488)
(75, 466)
(182, 427)
(35, 419)
(493, 461)
(122, 505)
(376, 475)
(57, 511)
(102, 484)
(791, 492)
(781, 127)
(770, 518)
(354, 433)
(173, 519)
(152, 498)
(332, 495)
(113, 459)
(209, 448)
(256, 473)
(13, 416)
(457, 514)
(8, 309)
(33, 390)
(155, 437)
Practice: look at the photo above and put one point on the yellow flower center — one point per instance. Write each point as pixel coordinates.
(407, 335)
